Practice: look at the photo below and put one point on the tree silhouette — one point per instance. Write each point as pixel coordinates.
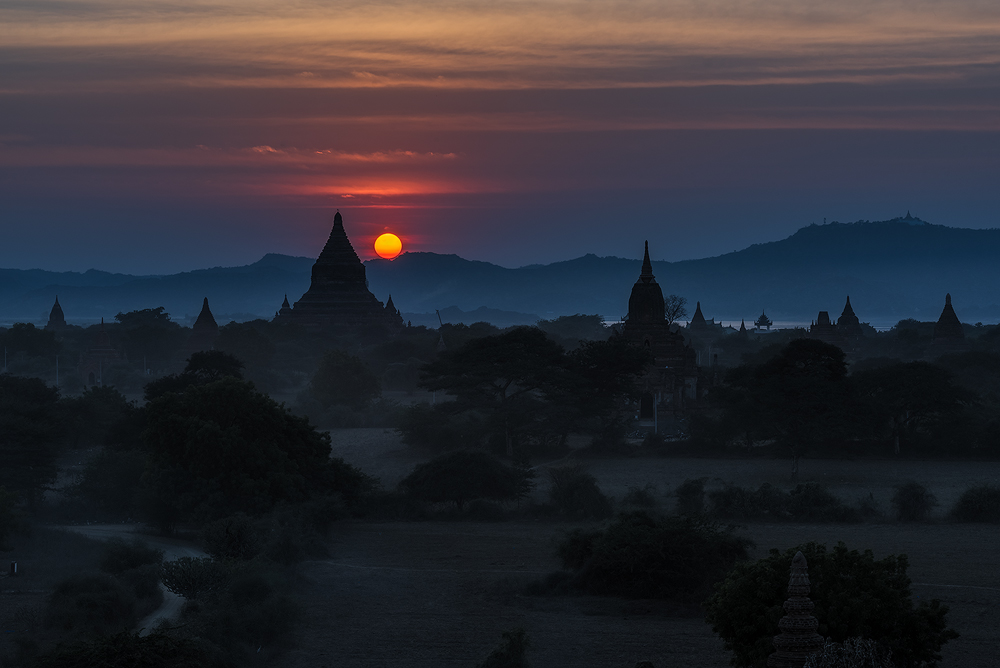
(675, 307)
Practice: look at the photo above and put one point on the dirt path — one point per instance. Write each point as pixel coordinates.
(172, 549)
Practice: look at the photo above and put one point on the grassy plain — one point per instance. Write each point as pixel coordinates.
(439, 593)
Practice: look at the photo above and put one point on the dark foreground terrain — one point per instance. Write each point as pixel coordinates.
(440, 593)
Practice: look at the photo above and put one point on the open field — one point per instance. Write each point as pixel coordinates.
(380, 452)
(440, 593)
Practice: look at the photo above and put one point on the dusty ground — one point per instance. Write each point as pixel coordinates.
(440, 593)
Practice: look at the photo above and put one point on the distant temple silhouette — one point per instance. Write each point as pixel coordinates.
(847, 328)
(204, 332)
(57, 320)
(338, 298)
(671, 381)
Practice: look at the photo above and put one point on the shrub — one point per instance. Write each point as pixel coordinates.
(111, 480)
(120, 556)
(852, 653)
(510, 653)
(128, 650)
(344, 379)
(143, 581)
(575, 493)
(90, 604)
(912, 502)
(639, 556)
(855, 595)
(482, 510)
(233, 538)
(737, 503)
(691, 497)
(250, 619)
(195, 578)
(978, 504)
(810, 502)
(461, 476)
(640, 497)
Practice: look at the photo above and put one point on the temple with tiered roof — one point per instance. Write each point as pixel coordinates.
(671, 381)
(338, 299)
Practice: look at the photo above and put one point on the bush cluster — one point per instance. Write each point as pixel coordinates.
(806, 503)
(855, 596)
(510, 653)
(462, 476)
(913, 503)
(978, 504)
(852, 653)
(575, 493)
(642, 556)
(128, 587)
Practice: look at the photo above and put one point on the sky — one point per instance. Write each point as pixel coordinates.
(154, 137)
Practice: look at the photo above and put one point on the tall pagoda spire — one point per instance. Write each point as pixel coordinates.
(698, 319)
(646, 275)
(948, 325)
(56, 318)
(338, 297)
(798, 639)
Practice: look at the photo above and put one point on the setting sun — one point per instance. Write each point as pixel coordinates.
(388, 246)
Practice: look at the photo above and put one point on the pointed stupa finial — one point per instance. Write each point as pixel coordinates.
(647, 267)
(947, 299)
(285, 303)
(205, 320)
(338, 219)
(743, 326)
(908, 216)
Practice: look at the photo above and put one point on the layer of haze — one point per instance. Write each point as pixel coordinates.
(162, 136)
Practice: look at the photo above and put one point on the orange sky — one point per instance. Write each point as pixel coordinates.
(473, 109)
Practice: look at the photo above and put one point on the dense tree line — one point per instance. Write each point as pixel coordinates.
(802, 398)
(520, 392)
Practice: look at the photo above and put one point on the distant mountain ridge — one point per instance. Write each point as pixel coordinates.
(892, 269)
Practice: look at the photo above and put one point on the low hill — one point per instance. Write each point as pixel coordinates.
(892, 269)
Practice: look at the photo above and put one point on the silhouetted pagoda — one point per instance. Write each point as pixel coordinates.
(949, 336)
(671, 381)
(763, 322)
(948, 325)
(57, 320)
(848, 324)
(204, 332)
(338, 298)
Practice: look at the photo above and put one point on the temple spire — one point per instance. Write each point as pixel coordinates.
(646, 275)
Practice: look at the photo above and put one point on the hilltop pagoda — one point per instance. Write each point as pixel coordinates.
(338, 299)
